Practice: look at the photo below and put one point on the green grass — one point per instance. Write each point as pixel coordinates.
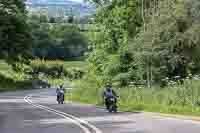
(67, 64)
(75, 64)
(178, 99)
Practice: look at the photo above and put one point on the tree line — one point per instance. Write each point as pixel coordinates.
(44, 18)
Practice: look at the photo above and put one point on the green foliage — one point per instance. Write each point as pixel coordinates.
(151, 40)
(56, 70)
(43, 19)
(14, 32)
(9, 84)
(11, 80)
(110, 56)
(71, 19)
(145, 44)
(62, 41)
(170, 41)
(52, 20)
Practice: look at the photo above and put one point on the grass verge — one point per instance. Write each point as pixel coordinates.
(178, 99)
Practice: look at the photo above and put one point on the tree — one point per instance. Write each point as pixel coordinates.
(71, 19)
(147, 39)
(120, 21)
(43, 18)
(57, 41)
(34, 18)
(52, 20)
(14, 31)
(170, 41)
(74, 43)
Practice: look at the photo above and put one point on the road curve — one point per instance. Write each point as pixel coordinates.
(21, 112)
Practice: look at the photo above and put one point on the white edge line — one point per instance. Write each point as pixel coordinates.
(75, 120)
(26, 99)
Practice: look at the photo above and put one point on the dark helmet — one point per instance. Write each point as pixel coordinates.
(109, 85)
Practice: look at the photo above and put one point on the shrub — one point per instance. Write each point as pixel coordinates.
(56, 71)
(123, 79)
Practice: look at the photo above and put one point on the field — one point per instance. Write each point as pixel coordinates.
(66, 64)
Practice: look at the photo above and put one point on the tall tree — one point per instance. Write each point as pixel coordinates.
(170, 41)
(14, 31)
(120, 21)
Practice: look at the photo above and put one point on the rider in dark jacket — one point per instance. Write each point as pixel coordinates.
(60, 92)
(109, 93)
(57, 93)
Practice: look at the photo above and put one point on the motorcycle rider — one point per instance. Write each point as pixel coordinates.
(57, 93)
(60, 91)
(109, 93)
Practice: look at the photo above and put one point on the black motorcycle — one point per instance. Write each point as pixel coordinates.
(60, 99)
(112, 104)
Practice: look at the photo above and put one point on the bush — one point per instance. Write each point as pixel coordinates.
(9, 84)
(56, 71)
(123, 79)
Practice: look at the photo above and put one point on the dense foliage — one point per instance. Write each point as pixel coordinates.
(169, 45)
(14, 31)
(57, 41)
(54, 71)
(146, 41)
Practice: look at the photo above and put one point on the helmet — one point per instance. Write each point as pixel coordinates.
(108, 85)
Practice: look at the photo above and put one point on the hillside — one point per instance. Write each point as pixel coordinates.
(65, 2)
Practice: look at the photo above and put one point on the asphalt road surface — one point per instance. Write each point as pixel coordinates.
(36, 111)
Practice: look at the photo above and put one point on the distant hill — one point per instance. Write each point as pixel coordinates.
(56, 2)
(65, 6)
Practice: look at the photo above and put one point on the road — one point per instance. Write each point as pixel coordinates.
(36, 111)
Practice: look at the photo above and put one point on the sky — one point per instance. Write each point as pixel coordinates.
(78, 0)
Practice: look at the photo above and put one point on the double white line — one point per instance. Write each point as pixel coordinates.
(84, 125)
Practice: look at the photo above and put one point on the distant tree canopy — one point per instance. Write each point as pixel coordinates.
(44, 18)
(71, 19)
(15, 38)
(58, 41)
(52, 20)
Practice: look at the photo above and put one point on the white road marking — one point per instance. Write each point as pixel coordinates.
(55, 112)
(72, 118)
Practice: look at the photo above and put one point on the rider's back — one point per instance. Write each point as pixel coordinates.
(108, 93)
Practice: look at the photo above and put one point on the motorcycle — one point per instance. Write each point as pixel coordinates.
(61, 99)
(112, 104)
